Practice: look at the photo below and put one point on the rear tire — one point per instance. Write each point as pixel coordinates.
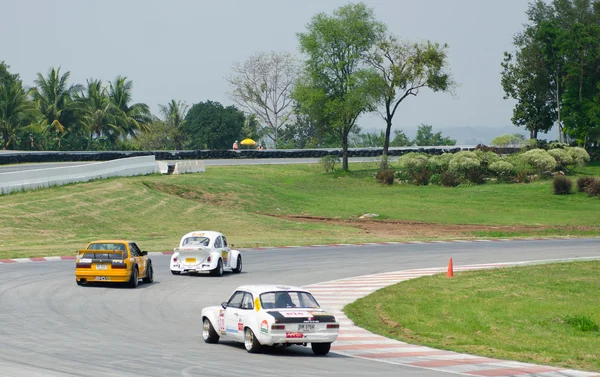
(208, 332)
(79, 282)
(134, 281)
(149, 274)
(219, 270)
(250, 342)
(175, 272)
(320, 349)
(238, 266)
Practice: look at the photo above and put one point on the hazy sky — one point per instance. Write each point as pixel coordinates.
(183, 49)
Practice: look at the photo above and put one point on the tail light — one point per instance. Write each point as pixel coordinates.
(83, 265)
(333, 325)
(174, 259)
(277, 327)
(209, 259)
(118, 265)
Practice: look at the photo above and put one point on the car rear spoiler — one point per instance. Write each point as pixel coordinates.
(84, 251)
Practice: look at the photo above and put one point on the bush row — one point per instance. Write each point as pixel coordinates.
(479, 166)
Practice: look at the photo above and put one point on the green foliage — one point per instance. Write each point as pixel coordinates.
(414, 167)
(385, 176)
(539, 159)
(581, 322)
(174, 120)
(579, 155)
(449, 179)
(400, 139)
(328, 162)
(440, 163)
(425, 137)
(463, 162)
(338, 86)
(508, 141)
(16, 111)
(562, 157)
(583, 182)
(209, 125)
(502, 170)
(562, 185)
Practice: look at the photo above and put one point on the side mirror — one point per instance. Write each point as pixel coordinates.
(224, 305)
(144, 253)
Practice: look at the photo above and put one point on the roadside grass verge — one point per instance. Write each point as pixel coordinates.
(249, 205)
(546, 314)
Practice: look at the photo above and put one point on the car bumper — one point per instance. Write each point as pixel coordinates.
(294, 338)
(200, 267)
(100, 276)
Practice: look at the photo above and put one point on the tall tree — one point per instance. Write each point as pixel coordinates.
(132, 118)
(209, 125)
(338, 86)
(174, 118)
(54, 99)
(98, 115)
(17, 111)
(404, 69)
(426, 137)
(262, 85)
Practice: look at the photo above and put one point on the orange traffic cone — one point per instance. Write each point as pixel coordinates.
(450, 272)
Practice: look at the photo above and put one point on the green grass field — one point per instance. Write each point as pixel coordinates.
(249, 204)
(545, 314)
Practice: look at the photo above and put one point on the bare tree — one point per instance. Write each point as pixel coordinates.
(262, 86)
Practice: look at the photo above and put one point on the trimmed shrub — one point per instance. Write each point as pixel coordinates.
(463, 162)
(582, 183)
(539, 159)
(385, 176)
(502, 170)
(328, 162)
(562, 185)
(562, 157)
(449, 179)
(522, 176)
(421, 177)
(486, 158)
(414, 167)
(593, 188)
(579, 155)
(440, 163)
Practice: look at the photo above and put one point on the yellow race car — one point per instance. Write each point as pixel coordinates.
(113, 261)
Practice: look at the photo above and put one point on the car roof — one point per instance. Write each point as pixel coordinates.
(262, 288)
(111, 241)
(203, 233)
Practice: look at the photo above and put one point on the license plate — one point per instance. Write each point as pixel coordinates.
(190, 260)
(306, 327)
(101, 267)
(102, 278)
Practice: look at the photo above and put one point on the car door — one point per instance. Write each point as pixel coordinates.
(245, 315)
(139, 259)
(222, 250)
(226, 250)
(232, 316)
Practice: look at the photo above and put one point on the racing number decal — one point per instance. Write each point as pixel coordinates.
(222, 321)
(224, 256)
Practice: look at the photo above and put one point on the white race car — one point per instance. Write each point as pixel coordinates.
(205, 251)
(270, 315)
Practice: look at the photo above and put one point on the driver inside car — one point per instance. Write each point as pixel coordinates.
(284, 301)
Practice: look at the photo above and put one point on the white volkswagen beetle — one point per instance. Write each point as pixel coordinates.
(270, 315)
(205, 251)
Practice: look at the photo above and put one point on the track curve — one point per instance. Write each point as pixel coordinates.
(49, 326)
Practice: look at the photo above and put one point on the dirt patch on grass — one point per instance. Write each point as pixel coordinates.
(197, 194)
(419, 230)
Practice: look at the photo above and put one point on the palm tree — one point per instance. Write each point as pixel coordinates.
(174, 118)
(54, 98)
(17, 111)
(98, 115)
(132, 118)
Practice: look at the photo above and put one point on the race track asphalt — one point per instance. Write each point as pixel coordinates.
(49, 326)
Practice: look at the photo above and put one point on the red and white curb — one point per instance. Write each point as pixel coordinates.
(357, 342)
(72, 257)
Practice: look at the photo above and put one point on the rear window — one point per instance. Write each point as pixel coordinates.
(196, 241)
(288, 299)
(106, 246)
(100, 255)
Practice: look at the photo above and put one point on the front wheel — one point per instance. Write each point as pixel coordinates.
(133, 281)
(250, 342)
(149, 275)
(320, 348)
(208, 332)
(238, 266)
(219, 270)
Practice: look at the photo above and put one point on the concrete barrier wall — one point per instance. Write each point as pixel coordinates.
(183, 167)
(33, 179)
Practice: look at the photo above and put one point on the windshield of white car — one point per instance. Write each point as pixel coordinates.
(195, 241)
(288, 299)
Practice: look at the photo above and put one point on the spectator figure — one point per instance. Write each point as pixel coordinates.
(260, 147)
(235, 145)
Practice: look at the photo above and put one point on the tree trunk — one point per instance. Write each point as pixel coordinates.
(345, 152)
(386, 143)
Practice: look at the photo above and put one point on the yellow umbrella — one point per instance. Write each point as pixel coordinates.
(248, 142)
